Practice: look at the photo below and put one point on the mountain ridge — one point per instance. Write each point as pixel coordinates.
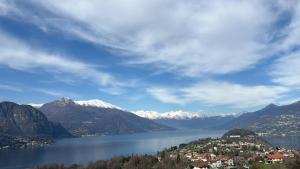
(271, 120)
(24, 125)
(90, 102)
(25, 120)
(91, 120)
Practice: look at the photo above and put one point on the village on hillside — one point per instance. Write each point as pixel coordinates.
(237, 149)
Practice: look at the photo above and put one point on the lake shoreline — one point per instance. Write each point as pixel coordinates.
(83, 150)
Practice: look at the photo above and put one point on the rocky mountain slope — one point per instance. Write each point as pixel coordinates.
(90, 118)
(24, 125)
(25, 120)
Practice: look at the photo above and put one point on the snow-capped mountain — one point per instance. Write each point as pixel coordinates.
(35, 105)
(93, 117)
(96, 103)
(187, 120)
(170, 115)
(92, 103)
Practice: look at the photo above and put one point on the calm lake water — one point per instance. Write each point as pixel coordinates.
(87, 149)
(292, 142)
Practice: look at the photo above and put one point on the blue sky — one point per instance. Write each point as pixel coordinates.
(199, 56)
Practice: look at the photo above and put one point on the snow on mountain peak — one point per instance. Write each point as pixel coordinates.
(169, 115)
(96, 103)
(92, 103)
(36, 105)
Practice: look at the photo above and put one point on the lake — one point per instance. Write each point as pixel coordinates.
(86, 149)
(292, 142)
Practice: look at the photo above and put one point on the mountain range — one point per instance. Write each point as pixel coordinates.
(271, 120)
(22, 125)
(179, 114)
(95, 117)
(212, 122)
(66, 118)
(186, 120)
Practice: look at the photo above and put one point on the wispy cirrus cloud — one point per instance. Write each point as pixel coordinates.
(10, 87)
(187, 38)
(191, 38)
(113, 90)
(165, 95)
(56, 93)
(17, 54)
(290, 35)
(220, 93)
(7, 7)
(286, 70)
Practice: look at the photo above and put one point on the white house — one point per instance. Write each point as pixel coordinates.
(229, 162)
(216, 164)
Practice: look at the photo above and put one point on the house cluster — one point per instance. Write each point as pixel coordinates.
(23, 142)
(209, 160)
(279, 155)
(231, 154)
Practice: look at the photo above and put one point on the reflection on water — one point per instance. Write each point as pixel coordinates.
(87, 149)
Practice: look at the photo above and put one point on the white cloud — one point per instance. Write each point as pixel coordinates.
(187, 37)
(221, 93)
(286, 71)
(165, 95)
(10, 87)
(291, 33)
(288, 101)
(56, 93)
(112, 90)
(17, 54)
(7, 7)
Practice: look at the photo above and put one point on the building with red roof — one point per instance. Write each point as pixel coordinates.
(275, 158)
